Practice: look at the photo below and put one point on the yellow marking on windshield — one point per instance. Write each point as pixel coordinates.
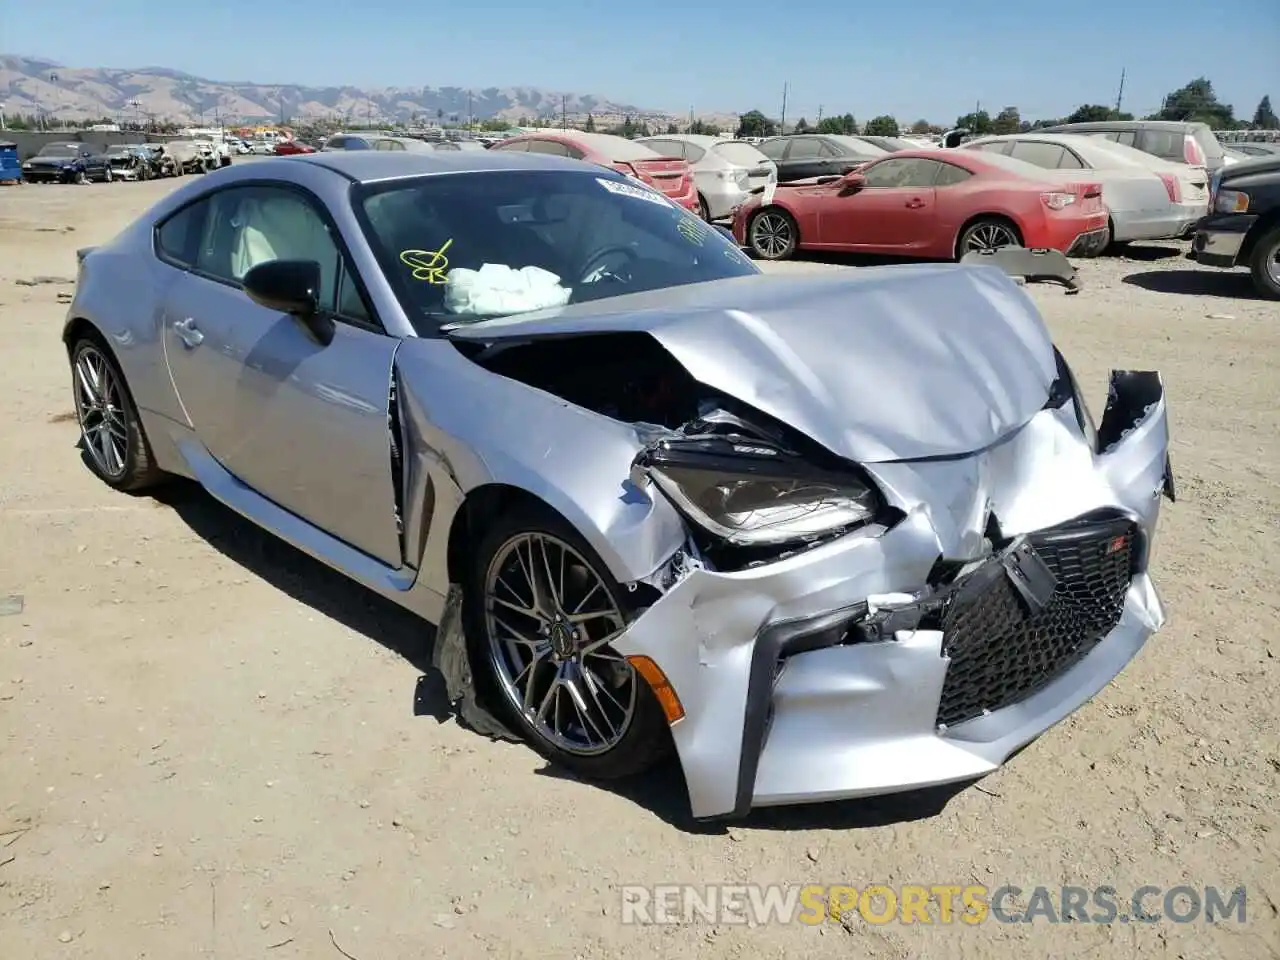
(695, 231)
(734, 255)
(428, 265)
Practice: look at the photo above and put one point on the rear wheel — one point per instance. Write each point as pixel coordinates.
(772, 234)
(1264, 264)
(112, 438)
(542, 610)
(703, 210)
(107, 175)
(987, 233)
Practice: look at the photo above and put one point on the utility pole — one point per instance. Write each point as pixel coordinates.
(691, 119)
(470, 115)
(783, 121)
(1120, 95)
(564, 111)
(819, 114)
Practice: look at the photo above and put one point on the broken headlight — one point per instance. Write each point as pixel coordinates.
(1066, 388)
(752, 493)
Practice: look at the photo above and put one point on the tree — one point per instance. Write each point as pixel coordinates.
(1198, 103)
(882, 126)
(672, 128)
(628, 128)
(802, 126)
(1264, 118)
(704, 128)
(921, 127)
(1007, 121)
(1092, 113)
(590, 125)
(845, 125)
(978, 123)
(753, 123)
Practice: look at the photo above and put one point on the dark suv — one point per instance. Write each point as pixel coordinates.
(1244, 225)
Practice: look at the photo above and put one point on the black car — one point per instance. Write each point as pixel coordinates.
(800, 156)
(1243, 228)
(67, 163)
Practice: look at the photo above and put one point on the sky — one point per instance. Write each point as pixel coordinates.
(911, 59)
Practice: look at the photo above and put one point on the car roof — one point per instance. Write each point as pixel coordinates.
(372, 166)
(1174, 125)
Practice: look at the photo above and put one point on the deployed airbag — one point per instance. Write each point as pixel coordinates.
(496, 290)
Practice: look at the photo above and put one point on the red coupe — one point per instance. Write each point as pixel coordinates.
(926, 203)
(673, 177)
(289, 148)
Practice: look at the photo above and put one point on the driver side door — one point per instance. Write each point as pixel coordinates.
(302, 424)
(895, 212)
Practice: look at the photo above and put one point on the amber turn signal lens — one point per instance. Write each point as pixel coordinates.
(660, 685)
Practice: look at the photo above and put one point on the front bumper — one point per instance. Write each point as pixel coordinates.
(1218, 238)
(784, 704)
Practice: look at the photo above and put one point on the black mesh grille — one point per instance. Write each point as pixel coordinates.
(1001, 654)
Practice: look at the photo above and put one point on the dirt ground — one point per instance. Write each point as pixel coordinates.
(214, 747)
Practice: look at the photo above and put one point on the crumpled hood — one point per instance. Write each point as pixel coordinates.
(876, 364)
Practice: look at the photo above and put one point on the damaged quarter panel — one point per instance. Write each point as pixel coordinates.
(576, 461)
(891, 363)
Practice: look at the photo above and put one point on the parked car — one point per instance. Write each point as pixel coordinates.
(1191, 143)
(72, 162)
(1143, 193)
(1244, 227)
(290, 148)
(822, 536)
(262, 148)
(926, 203)
(803, 156)
(1252, 150)
(724, 171)
(674, 178)
(189, 156)
(130, 161)
(894, 144)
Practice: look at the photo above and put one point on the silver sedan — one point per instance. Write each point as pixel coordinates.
(822, 537)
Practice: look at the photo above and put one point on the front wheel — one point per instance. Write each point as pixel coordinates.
(988, 233)
(542, 611)
(112, 438)
(703, 210)
(772, 234)
(107, 175)
(1264, 264)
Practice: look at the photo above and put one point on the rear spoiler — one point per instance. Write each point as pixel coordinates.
(84, 252)
(1037, 265)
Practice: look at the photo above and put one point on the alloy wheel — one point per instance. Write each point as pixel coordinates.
(549, 620)
(100, 409)
(771, 234)
(1273, 265)
(990, 236)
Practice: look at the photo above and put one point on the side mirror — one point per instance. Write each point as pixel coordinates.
(852, 183)
(292, 287)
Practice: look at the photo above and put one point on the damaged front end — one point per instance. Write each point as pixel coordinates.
(837, 631)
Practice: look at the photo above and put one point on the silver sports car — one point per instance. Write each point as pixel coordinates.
(824, 536)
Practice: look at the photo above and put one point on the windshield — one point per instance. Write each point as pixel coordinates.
(545, 238)
(859, 146)
(60, 150)
(743, 154)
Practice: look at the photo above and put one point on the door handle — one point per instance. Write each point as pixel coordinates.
(189, 333)
(915, 203)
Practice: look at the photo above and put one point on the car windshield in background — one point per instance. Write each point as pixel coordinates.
(743, 154)
(59, 150)
(860, 147)
(590, 235)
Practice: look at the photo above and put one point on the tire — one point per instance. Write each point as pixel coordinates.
(107, 175)
(703, 210)
(122, 458)
(984, 228)
(629, 731)
(772, 234)
(1264, 264)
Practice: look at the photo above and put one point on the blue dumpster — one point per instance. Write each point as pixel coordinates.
(10, 168)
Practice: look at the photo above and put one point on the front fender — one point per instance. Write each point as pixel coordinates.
(481, 428)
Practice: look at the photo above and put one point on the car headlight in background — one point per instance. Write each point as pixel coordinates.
(1231, 201)
(751, 493)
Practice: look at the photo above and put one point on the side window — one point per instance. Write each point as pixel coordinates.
(574, 152)
(514, 146)
(1166, 144)
(949, 175)
(247, 226)
(1128, 138)
(548, 146)
(693, 153)
(1001, 147)
(336, 143)
(178, 238)
(1037, 152)
(827, 150)
(773, 149)
(804, 148)
(904, 172)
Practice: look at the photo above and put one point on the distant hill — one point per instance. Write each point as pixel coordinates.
(29, 85)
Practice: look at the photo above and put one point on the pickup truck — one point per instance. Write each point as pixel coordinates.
(1243, 225)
